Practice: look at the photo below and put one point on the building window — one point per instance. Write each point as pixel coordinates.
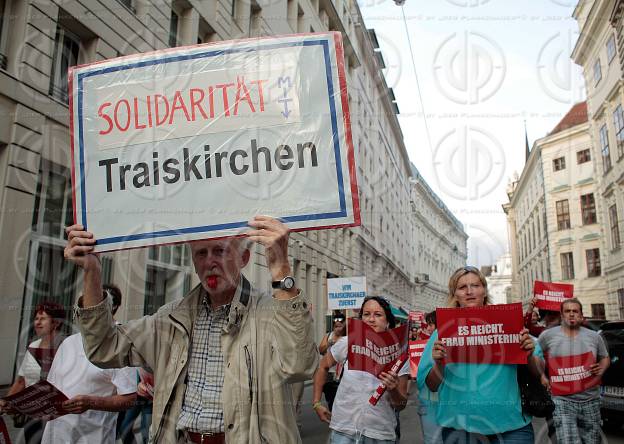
(597, 72)
(5, 18)
(618, 123)
(559, 164)
(50, 276)
(588, 209)
(107, 269)
(583, 156)
(567, 266)
(593, 262)
(167, 275)
(173, 29)
(598, 311)
(128, 4)
(615, 227)
(604, 147)
(66, 49)
(620, 297)
(563, 214)
(610, 48)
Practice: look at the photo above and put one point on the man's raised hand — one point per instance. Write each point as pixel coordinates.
(273, 235)
(80, 247)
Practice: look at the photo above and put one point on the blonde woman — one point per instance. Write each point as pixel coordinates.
(475, 399)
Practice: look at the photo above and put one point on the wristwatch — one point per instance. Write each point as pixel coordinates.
(285, 284)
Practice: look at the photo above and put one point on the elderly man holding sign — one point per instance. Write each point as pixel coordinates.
(224, 355)
(474, 369)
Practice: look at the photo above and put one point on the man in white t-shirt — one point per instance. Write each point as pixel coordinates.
(95, 395)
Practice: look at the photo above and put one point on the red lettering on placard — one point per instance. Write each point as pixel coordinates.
(105, 117)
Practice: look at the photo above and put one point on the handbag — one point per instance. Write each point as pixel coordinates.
(534, 397)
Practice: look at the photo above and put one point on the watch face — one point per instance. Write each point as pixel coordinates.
(288, 283)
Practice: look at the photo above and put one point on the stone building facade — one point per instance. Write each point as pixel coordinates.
(40, 39)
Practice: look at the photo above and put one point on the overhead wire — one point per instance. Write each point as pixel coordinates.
(420, 97)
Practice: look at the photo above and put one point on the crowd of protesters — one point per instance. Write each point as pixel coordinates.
(194, 355)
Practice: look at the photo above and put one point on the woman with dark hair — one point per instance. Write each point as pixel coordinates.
(49, 317)
(476, 401)
(353, 419)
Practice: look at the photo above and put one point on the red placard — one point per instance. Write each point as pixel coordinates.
(4, 433)
(375, 352)
(417, 317)
(485, 335)
(571, 374)
(416, 349)
(40, 400)
(550, 295)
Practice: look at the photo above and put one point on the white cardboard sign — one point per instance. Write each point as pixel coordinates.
(346, 293)
(191, 143)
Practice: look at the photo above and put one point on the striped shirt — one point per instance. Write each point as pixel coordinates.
(202, 407)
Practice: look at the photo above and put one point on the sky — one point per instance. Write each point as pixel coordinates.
(483, 68)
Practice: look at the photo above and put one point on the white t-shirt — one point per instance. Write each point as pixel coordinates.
(30, 369)
(73, 374)
(352, 413)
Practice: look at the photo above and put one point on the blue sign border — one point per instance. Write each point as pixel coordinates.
(220, 52)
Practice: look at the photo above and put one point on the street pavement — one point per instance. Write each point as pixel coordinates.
(313, 431)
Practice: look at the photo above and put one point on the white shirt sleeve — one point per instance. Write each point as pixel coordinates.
(29, 368)
(125, 379)
(339, 349)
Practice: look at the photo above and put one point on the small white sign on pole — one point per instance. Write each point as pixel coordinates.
(190, 143)
(346, 293)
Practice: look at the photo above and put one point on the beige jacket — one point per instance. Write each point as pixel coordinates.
(267, 344)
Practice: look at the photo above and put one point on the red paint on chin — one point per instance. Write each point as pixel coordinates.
(212, 282)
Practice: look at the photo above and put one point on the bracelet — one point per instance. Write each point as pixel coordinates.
(316, 405)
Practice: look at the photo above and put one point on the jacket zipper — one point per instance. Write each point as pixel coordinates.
(249, 363)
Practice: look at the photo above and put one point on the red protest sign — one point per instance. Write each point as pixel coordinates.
(550, 295)
(571, 374)
(417, 317)
(40, 400)
(489, 334)
(416, 349)
(374, 352)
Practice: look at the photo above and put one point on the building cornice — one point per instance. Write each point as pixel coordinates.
(594, 20)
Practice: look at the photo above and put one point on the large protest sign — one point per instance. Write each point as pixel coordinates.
(571, 374)
(416, 349)
(191, 143)
(374, 352)
(550, 295)
(40, 400)
(346, 293)
(489, 334)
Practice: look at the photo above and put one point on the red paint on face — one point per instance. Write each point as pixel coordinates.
(212, 281)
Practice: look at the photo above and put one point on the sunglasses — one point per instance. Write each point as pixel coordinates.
(339, 320)
(469, 269)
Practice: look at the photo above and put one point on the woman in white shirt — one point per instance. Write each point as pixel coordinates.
(49, 317)
(353, 419)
